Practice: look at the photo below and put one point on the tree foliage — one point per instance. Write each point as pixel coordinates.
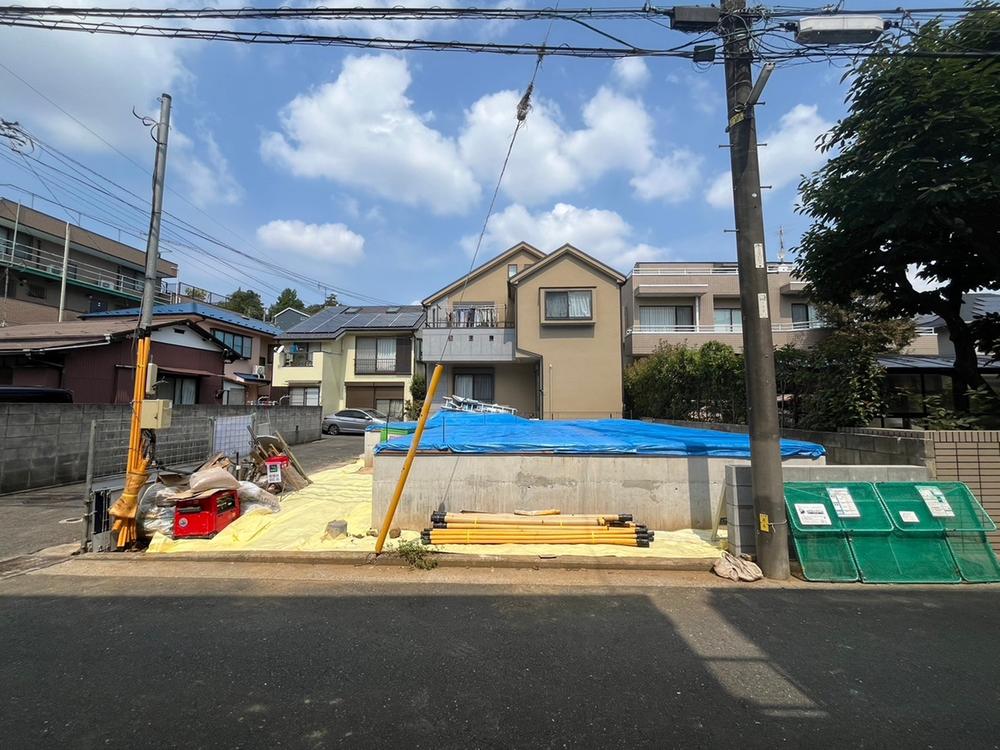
(913, 184)
(837, 383)
(330, 301)
(288, 298)
(245, 302)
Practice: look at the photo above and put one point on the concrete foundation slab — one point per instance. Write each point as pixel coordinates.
(667, 493)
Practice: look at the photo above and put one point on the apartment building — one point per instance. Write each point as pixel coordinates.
(541, 333)
(693, 303)
(101, 273)
(347, 357)
(248, 374)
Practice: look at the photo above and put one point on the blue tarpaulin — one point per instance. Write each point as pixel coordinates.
(462, 432)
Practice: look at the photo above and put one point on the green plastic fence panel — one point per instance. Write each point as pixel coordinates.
(899, 557)
(825, 557)
(835, 507)
(974, 556)
(921, 507)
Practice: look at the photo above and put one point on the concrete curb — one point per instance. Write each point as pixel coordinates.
(444, 560)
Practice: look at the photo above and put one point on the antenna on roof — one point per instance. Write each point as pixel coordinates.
(781, 245)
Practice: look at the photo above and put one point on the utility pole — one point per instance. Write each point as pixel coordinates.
(153, 240)
(65, 271)
(758, 344)
(149, 288)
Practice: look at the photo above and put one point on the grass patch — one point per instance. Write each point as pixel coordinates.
(417, 555)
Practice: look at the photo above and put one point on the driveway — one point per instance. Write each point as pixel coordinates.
(35, 519)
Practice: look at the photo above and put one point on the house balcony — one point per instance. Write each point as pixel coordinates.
(49, 265)
(643, 340)
(475, 344)
(298, 367)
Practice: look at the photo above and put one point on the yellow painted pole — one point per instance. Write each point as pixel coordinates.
(138, 394)
(414, 444)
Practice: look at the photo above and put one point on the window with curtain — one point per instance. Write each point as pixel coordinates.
(569, 305)
(728, 319)
(800, 312)
(474, 385)
(303, 395)
(511, 269)
(375, 355)
(666, 316)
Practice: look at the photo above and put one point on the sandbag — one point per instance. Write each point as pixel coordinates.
(736, 568)
(212, 479)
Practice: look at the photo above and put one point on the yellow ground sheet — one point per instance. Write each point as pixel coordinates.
(345, 493)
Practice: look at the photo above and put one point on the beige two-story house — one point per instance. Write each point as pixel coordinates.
(541, 333)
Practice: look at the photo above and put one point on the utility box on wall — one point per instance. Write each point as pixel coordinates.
(156, 414)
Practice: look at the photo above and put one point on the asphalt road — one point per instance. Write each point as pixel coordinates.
(201, 662)
(35, 519)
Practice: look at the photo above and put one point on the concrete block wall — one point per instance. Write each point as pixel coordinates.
(42, 445)
(741, 522)
(852, 447)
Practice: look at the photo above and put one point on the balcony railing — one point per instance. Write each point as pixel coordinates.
(471, 316)
(380, 366)
(706, 271)
(298, 359)
(808, 325)
(49, 264)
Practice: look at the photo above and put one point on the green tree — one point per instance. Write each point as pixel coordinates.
(245, 302)
(288, 298)
(330, 301)
(913, 185)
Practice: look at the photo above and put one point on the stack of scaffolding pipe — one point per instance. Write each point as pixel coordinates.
(501, 528)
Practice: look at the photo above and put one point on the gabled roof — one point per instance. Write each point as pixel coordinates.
(37, 337)
(974, 305)
(334, 322)
(901, 363)
(291, 309)
(488, 266)
(201, 309)
(571, 251)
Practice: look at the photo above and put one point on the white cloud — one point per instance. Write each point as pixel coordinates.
(334, 243)
(208, 179)
(671, 178)
(598, 232)
(98, 78)
(631, 72)
(791, 151)
(549, 160)
(361, 130)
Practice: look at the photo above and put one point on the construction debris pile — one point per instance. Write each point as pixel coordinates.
(203, 503)
(535, 527)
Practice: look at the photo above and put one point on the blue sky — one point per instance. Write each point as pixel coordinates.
(372, 171)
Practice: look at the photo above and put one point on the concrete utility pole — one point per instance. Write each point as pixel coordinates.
(153, 241)
(65, 271)
(149, 289)
(758, 343)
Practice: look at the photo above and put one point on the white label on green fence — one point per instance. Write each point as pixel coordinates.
(908, 516)
(813, 514)
(936, 502)
(843, 503)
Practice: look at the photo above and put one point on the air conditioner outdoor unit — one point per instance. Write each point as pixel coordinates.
(54, 269)
(260, 371)
(106, 284)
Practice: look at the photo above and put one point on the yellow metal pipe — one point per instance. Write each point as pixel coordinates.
(501, 540)
(391, 512)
